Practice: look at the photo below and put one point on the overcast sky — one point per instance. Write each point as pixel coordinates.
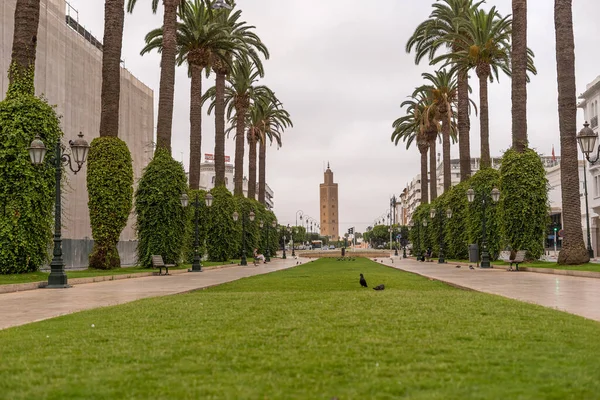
(340, 68)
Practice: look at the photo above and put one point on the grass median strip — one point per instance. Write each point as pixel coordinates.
(308, 333)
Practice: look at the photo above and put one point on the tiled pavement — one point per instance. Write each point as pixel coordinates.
(20, 308)
(576, 295)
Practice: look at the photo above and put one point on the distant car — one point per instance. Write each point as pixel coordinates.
(331, 247)
(325, 248)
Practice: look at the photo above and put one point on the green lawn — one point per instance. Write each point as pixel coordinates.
(308, 333)
(546, 264)
(86, 273)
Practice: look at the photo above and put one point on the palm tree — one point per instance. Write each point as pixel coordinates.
(167, 69)
(247, 43)
(408, 129)
(573, 249)
(519, 75)
(443, 88)
(199, 40)
(488, 51)
(114, 16)
(439, 31)
(239, 94)
(276, 120)
(27, 19)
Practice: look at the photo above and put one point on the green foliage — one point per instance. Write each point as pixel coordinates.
(110, 192)
(161, 219)
(27, 192)
(244, 207)
(224, 235)
(268, 234)
(203, 211)
(457, 233)
(420, 235)
(482, 183)
(524, 201)
(23, 81)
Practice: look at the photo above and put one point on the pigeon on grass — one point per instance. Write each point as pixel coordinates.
(379, 287)
(363, 282)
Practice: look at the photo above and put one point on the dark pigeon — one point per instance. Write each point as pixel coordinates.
(458, 266)
(471, 267)
(379, 287)
(363, 282)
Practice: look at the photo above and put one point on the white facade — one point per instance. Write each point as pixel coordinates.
(589, 104)
(207, 180)
(68, 72)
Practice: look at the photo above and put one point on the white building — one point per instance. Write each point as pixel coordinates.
(589, 105)
(207, 179)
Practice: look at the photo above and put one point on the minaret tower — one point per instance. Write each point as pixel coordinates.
(329, 206)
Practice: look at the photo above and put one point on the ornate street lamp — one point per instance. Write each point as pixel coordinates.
(415, 225)
(251, 218)
(587, 141)
(433, 213)
(37, 152)
(268, 249)
(485, 198)
(196, 264)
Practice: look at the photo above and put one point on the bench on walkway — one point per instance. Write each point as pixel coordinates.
(504, 256)
(519, 258)
(157, 262)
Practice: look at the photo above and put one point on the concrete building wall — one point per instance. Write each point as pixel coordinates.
(69, 74)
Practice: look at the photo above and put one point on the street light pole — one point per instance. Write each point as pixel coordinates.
(268, 250)
(251, 216)
(485, 255)
(37, 150)
(587, 217)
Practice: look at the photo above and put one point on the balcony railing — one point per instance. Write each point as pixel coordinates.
(594, 122)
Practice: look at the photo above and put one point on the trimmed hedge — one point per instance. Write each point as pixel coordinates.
(110, 192)
(253, 232)
(524, 201)
(161, 220)
(224, 235)
(26, 192)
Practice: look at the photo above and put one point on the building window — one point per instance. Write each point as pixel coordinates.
(333, 221)
(333, 206)
(213, 179)
(597, 186)
(324, 221)
(324, 206)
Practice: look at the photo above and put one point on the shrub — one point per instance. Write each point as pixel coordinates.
(222, 242)
(524, 201)
(161, 221)
(203, 211)
(27, 192)
(253, 231)
(110, 192)
(457, 233)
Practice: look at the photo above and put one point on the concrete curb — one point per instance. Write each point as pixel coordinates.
(19, 287)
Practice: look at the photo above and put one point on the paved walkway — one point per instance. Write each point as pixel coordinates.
(575, 295)
(21, 308)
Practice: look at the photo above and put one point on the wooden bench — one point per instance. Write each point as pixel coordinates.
(519, 258)
(157, 262)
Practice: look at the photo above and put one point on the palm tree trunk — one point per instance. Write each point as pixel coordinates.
(446, 155)
(464, 125)
(486, 161)
(167, 75)
(238, 175)
(27, 19)
(573, 250)
(114, 12)
(519, 75)
(252, 166)
(195, 127)
(424, 186)
(432, 171)
(220, 130)
(262, 173)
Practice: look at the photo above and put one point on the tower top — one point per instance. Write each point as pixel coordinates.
(327, 164)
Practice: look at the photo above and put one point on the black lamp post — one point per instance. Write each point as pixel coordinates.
(485, 198)
(424, 223)
(267, 250)
(285, 230)
(414, 225)
(432, 214)
(196, 264)
(587, 141)
(37, 151)
(251, 218)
